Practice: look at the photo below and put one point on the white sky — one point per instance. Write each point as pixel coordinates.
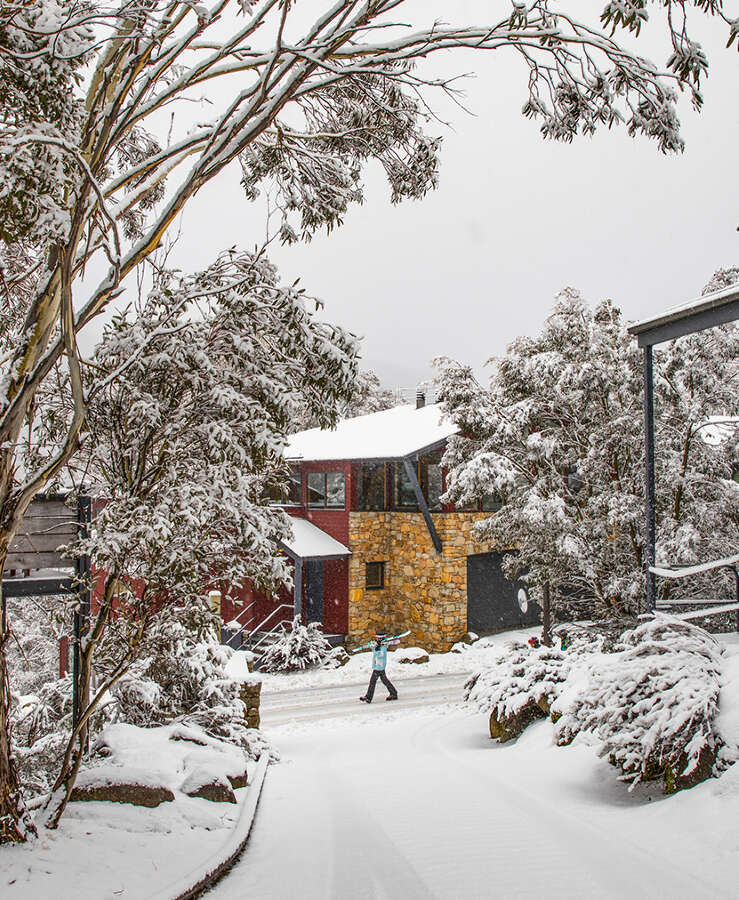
(514, 220)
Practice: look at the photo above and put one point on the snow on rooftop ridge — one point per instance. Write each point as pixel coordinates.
(389, 434)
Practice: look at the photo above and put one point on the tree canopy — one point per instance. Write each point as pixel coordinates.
(559, 436)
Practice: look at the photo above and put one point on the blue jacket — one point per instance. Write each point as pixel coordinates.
(379, 652)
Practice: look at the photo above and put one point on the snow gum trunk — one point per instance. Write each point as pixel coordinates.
(15, 825)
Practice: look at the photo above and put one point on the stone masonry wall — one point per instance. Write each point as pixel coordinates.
(424, 591)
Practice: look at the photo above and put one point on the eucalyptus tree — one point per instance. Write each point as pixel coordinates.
(558, 435)
(100, 150)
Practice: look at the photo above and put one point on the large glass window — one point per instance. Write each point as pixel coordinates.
(371, 487)
(488, 503)
(335, 490)
(316, 488)
(404, 497)
(430, 478)
(326, 490)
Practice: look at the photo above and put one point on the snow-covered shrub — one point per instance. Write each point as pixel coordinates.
(519, 687)
(41, 724)
(337, 658)
(298, 647)
(652, 703)
(184, 679)
(524, 683)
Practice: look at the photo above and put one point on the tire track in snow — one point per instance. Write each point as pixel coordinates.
(363, 853)
(580, 854)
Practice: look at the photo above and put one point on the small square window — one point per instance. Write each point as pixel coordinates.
(375, 575)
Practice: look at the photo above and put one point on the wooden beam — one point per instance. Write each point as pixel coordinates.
(410, 470)
(37, 587)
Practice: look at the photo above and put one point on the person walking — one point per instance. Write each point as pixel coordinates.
(379, 662)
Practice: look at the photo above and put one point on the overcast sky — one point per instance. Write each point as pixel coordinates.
(514, 220)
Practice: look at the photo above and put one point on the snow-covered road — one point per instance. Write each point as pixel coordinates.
(412, 801)
(313, 704)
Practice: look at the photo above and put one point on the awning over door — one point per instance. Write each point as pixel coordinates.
(310, 542)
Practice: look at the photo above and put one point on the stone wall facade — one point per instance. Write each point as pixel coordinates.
(425, 592)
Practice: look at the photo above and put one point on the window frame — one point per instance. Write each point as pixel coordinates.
(381, 569)
(325, 476)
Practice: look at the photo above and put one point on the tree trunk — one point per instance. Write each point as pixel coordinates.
(546, 616)
(77, 743)
(15, 823)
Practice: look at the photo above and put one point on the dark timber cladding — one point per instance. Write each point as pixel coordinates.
(717, 308)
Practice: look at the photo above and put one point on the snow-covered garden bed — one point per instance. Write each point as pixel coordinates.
(105, 848)
(660, 703)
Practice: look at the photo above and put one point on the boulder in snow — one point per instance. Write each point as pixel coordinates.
(411, 655)
(209, 784)
(121, 784)
(506, 726)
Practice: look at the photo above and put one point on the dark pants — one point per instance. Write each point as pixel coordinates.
(380, 673)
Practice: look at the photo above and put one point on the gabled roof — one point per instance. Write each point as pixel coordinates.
(310, 542)
(390, 434)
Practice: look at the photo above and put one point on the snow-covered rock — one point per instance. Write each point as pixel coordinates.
(210, 784)
(411, 655)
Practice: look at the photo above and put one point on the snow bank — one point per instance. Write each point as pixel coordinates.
(104, 849)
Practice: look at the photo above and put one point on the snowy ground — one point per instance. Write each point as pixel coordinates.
(108, 850)
(409, 801)
(413, 801)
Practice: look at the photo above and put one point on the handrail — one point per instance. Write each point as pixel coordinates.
(264, 621)
(268, 617)
(730, 563)
(241, 613)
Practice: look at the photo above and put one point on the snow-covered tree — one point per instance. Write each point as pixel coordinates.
(297, 647)
(367, 397)
(100, 150)
(183, 450)
(558, 436)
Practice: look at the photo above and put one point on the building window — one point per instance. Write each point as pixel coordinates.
(290, 494)
(326, 490)
(374, 575)
(404, 497)
(430, 478)
(295, 488)
(371, 487)
(488, 503)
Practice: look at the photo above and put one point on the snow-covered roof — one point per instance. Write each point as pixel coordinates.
(309, 542)
(390, 434)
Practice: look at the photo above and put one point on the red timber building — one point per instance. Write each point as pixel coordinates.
(373, 545)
